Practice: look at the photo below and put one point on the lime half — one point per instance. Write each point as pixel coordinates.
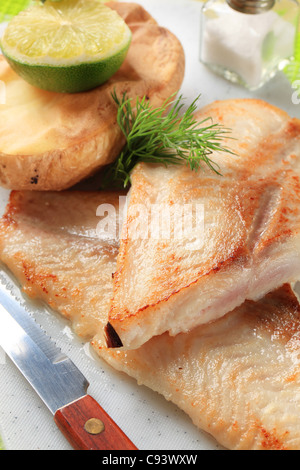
(68, 46)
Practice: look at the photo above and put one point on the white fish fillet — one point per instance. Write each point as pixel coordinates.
(248, 246)
(237, 378)
(49, 242)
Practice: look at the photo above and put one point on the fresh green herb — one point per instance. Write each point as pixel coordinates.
(164, 135)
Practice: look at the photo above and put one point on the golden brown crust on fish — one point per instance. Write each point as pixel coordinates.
(237, 378)
(250, 238)
(49, 241)
(51, 141)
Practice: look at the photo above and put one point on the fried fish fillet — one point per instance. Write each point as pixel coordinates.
(51, 141)
(237, 378)
(50, 242)
(249, 241)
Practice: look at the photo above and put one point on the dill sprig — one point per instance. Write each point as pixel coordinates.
(164, 135)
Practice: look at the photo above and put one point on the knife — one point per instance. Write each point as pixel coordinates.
(57, 380)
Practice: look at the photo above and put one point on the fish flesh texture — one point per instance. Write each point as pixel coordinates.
(50, 242)
(237, 378)
(174, 276)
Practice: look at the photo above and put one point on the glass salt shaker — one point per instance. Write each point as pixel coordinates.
(248, 41)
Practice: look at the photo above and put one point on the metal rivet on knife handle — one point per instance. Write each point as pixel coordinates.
(73, 419)
(94, 426)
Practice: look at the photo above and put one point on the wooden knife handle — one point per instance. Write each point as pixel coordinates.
(88, 427)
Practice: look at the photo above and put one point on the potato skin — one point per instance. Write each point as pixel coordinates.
(83, 135)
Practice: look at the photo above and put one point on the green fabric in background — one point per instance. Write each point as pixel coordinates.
(1, 444)
(292, 71)
(9, 8)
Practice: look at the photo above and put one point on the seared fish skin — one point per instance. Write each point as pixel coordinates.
(52, 141)
(249, 243)
(237, 378)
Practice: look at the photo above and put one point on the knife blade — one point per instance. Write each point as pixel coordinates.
(57, 380)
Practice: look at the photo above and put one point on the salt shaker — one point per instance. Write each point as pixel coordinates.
(248, 41)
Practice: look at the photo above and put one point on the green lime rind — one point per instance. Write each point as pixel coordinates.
(72, 78)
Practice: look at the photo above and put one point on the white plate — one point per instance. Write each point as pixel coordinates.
(147, 418)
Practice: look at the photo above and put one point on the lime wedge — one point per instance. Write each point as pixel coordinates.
(68, 46)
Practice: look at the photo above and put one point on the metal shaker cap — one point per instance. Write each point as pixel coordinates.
(251, 6)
